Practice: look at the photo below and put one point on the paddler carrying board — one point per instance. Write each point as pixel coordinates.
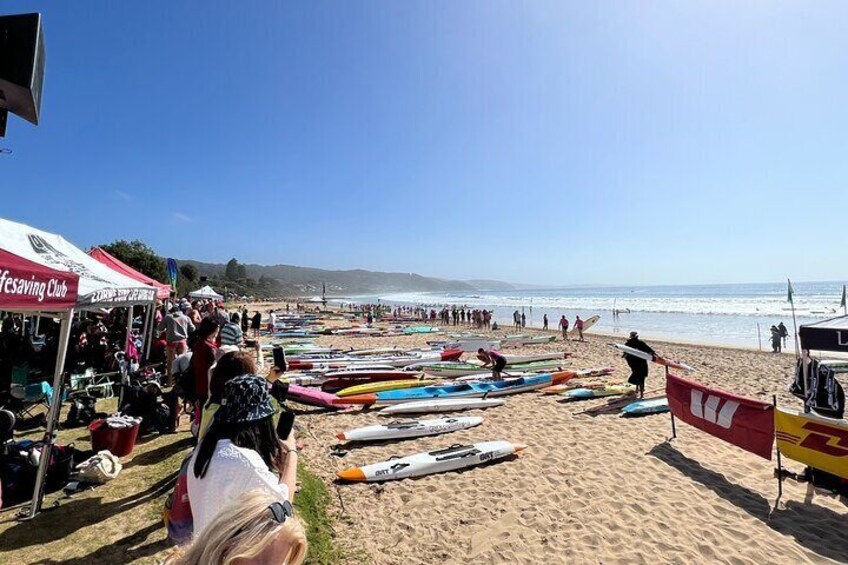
(493, 358)
(638, 365)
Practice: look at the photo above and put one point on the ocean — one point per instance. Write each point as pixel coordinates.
(725, 314)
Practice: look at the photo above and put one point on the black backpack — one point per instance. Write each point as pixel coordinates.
(82, 411)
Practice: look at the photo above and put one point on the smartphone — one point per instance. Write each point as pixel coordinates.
(285, 424)
(280, 359)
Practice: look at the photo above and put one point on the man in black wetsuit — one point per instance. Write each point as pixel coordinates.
(638, 366)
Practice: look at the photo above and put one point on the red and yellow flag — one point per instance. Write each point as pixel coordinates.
(821, 443)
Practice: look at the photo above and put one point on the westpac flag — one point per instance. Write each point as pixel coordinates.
(744, 422)
(821, 443)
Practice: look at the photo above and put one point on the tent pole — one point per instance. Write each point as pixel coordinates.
(52, 414)
(125, 371)
(148, 329)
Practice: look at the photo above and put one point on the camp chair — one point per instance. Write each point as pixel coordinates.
(24, 397)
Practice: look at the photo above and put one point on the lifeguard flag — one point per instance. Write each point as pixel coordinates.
(744, 422)
(821, 443)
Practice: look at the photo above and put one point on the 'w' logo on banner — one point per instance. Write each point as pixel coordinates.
(709, 410)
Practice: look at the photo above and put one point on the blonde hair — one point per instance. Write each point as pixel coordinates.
(245, 528)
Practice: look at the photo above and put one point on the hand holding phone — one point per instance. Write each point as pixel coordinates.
(280, 359)
(285, 424)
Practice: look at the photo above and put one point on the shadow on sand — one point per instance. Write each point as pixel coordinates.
(816, 528)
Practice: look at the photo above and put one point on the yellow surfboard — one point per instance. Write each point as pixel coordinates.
(369, 388)
(821, 443)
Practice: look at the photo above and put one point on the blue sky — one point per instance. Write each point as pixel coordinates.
(542, 142)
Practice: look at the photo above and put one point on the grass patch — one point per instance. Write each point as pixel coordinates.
(312, 503)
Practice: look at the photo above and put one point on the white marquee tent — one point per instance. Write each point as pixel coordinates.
(206, 292)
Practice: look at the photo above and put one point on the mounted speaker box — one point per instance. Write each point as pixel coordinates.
(21, 67)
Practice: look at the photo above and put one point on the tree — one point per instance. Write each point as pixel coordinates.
(189, 272)
(140, 257)
(232, 271)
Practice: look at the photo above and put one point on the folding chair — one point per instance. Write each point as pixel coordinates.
(24, 397)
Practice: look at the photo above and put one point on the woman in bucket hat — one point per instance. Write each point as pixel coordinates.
(240, 452)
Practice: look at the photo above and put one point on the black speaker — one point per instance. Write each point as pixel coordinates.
(21, 65)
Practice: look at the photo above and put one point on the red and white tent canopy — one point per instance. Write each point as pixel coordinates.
(99, 286)
(162, 290)
(28, 286)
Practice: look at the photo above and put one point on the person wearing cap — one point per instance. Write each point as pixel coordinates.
(240, 452)
(638, 366)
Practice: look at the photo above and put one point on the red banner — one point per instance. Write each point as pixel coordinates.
(744, 422)
(25, 285)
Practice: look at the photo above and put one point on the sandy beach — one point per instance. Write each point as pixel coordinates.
(589, 488)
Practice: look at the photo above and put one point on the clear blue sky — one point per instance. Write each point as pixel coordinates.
(543, 142)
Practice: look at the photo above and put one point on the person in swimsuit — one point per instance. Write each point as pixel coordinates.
(493, 358)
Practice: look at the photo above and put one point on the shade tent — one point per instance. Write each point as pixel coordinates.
(99, 285)
(206, 292)
(162, 290)
(44, 273)
(26, 286)
(827, 335)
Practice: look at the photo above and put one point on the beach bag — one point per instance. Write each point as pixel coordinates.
(19, 468)
(100, 468)
(179, 521)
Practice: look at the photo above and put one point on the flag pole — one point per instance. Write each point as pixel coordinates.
(790, 293)
(798, 354)
(673, 427)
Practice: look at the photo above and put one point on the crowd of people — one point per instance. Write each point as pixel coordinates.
(241, 475)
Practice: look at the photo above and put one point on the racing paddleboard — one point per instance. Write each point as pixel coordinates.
(609, 390)
(382, 386)
(441, 405)
(449, 459)
(647, 406)
(671, 363)
(410, 429)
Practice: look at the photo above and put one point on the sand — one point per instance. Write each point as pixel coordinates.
(589, 489)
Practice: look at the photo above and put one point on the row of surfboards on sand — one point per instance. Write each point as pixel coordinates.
(459, 456)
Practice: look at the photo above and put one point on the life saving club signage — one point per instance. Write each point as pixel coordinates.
(28, 285)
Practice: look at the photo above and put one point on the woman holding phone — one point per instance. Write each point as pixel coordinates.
(240, 452)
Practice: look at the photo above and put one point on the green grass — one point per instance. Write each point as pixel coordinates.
(121, 521)
(312, 503)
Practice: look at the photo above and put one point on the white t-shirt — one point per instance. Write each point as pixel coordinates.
(232, 471)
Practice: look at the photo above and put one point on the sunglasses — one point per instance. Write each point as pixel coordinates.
(281, 511)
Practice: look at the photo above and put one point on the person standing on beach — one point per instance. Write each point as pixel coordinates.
(544, 321)
(563, 324)
(256, 323)
(578, 324)
(775, 339)
(638, 366)
(784, 333)
(523, 320)
(493, 358)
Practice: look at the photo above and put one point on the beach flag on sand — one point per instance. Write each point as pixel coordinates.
(844, 302)
(745, 422)
(789, 291)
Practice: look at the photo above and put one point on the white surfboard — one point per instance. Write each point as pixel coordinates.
(443, 460)
(441, 405)
(410, 429)
(587, 323)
